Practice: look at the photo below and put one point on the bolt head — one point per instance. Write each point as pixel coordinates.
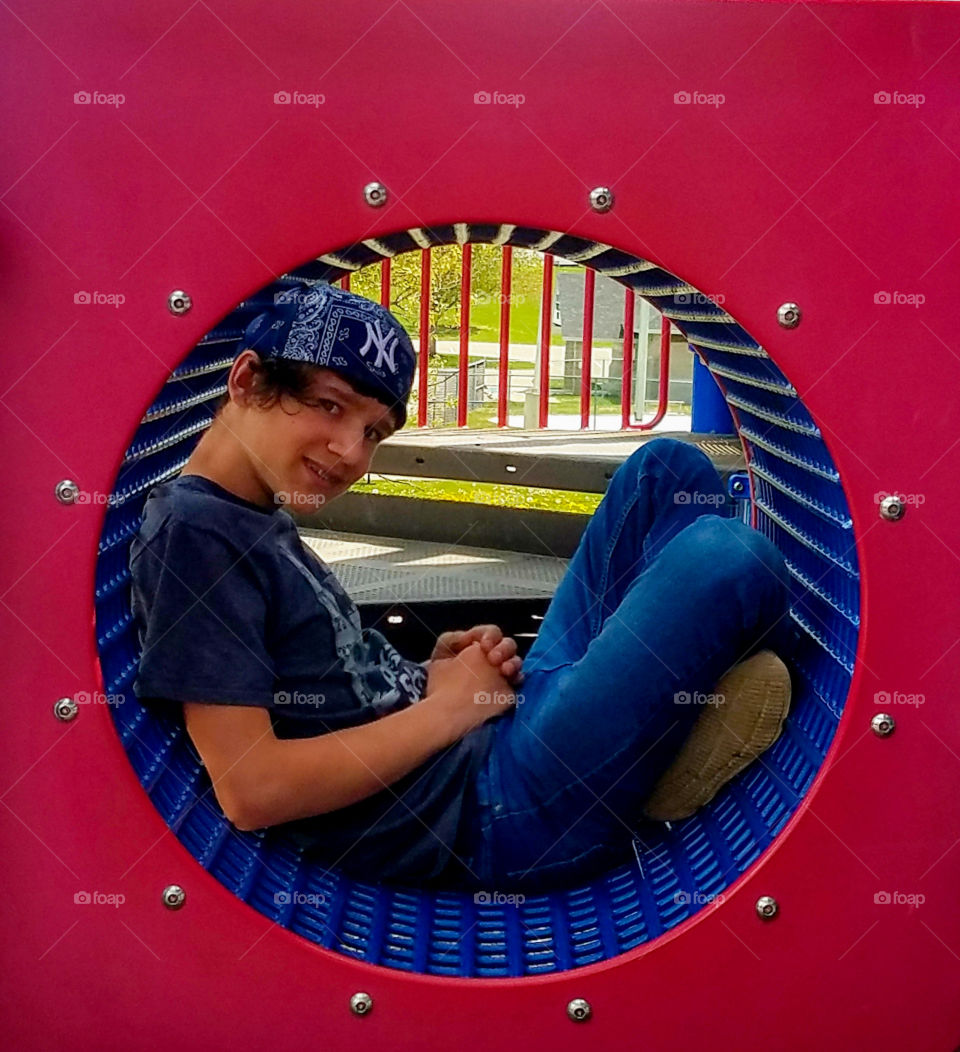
(174, 896)
(361, 1003)
(179, 302)
(375, 194)
(788, 315)
(601, 199)
(67, 491)
(883, 725)
(767, 907)
(65, 709)
(892, 508)
(579, 1010)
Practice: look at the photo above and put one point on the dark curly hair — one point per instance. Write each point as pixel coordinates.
(275, 377)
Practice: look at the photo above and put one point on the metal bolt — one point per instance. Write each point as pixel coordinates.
(375, 194)
(65, 709)
(883, 725)
(601, 199)
(892, 508)
(174, 896)
(788, 314)
(767, 907)
(179, 302)
(579, 1010)
(67, 491)
(361, 1004)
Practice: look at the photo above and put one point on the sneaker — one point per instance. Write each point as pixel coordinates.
(752, 701)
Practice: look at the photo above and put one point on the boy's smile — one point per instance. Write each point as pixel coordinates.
(299, 452)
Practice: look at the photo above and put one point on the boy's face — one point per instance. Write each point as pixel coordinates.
(307, 455)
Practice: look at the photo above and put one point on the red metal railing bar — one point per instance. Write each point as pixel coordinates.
(464, 334)
(422, 394)
(506, 266)
(546, 321)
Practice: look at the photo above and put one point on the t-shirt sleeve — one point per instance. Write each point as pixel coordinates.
(200, 608)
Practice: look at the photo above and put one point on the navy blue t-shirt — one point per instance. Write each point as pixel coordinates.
(232, 608)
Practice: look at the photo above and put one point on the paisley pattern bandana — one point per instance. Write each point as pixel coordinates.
(356, 337)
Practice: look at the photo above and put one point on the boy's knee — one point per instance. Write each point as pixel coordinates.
(682, 465)
(743, 553)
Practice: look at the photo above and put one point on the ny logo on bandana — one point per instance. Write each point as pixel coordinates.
(385, 344)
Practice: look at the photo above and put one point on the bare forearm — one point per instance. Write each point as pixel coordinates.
(298, 778)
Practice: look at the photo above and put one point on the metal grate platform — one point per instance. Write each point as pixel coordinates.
(396, 570)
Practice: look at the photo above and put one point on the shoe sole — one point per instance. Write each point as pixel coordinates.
(753, 702)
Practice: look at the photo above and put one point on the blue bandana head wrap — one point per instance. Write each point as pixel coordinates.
(325, 325)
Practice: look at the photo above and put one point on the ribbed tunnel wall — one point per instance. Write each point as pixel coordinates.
(798, 503)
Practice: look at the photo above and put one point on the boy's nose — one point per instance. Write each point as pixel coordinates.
(350, 451)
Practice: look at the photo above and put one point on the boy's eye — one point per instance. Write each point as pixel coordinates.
(325, 403)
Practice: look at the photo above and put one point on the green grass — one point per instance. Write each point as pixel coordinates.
(487, 493)
(453, 360)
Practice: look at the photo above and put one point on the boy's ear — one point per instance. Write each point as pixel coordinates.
(241, 380)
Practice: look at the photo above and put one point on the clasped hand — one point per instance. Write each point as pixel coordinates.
(501, 650)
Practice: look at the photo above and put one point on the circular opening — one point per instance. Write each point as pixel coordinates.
(798, 502)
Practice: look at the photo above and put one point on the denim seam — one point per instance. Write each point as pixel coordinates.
(608, 558)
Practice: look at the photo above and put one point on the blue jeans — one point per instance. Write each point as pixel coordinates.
(663, 596)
